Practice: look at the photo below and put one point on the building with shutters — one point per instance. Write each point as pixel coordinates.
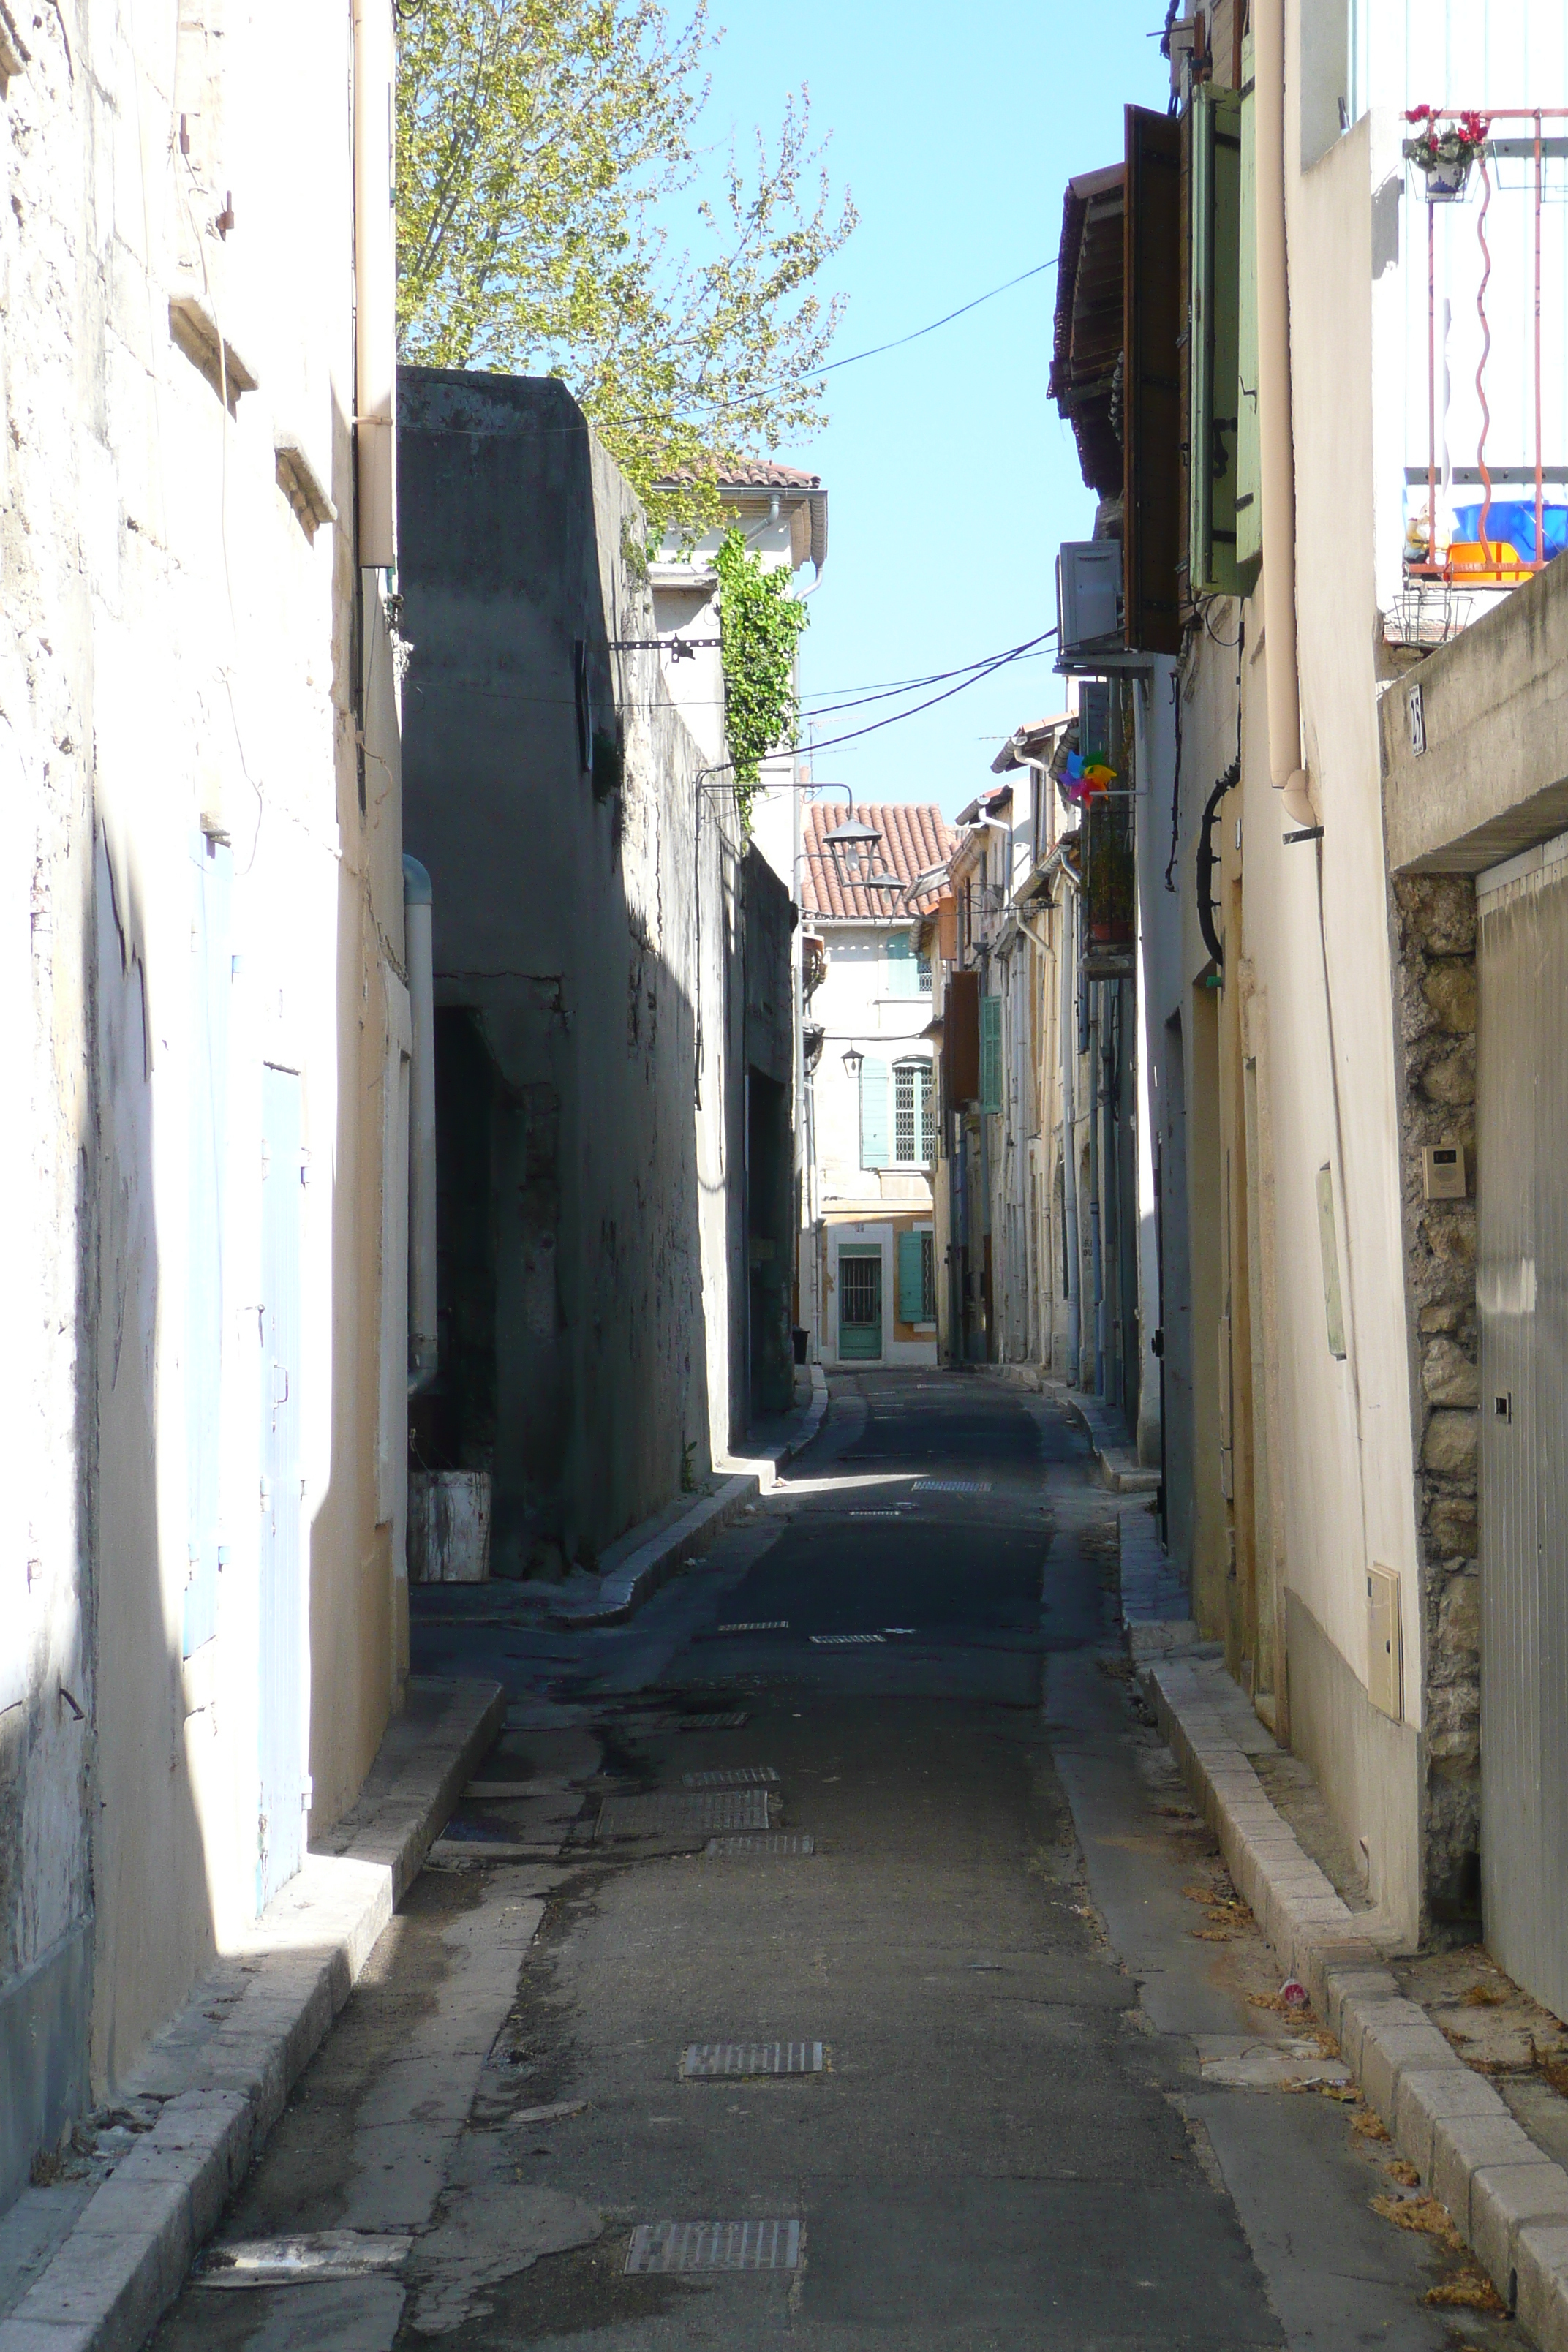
(869, 1270)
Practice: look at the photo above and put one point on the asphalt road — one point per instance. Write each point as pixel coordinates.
(1050, 2112)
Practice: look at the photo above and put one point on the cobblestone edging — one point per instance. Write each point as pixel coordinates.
(225, 2067)
(1506, 2197)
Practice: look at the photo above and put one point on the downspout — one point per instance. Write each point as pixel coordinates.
(375, 284)
(1066, 1040)
(423, 1351)
(1277, 466)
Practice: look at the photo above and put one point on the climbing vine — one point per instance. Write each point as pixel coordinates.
(760, 626)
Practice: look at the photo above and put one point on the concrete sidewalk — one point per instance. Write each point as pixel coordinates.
(106, 2260)
(1506, 2196)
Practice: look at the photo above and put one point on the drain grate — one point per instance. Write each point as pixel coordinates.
(667, 1815)
(780, 1842)
(756, 1625)
(875, 1515)
(734, 1776)
(844, 1641)
(952, 1485)
(705, 2061)
(714, 2246)
(713, 1722)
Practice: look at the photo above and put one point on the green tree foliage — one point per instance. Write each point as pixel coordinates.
(542, 145)
(758, 626)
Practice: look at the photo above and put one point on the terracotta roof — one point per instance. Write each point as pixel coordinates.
(757, 474)
(915, 837)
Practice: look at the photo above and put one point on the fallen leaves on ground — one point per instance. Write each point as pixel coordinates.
(1485, 1996)
(1283, 2007)
(1214, 1935)
(1405, 2174)
(1471, 2291)
(1370, 2125)
(1427, 2214)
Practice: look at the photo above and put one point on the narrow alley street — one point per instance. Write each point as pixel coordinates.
(1029, 2096)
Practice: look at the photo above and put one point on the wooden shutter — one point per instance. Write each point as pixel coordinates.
(911, 1278)
(900, 975)
(991, 1052)
(1248, 470)
(961, 1037)
(876, 1137)
(1153, 534)
(1214, 404)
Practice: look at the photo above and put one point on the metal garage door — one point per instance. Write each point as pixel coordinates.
(1522, 1293)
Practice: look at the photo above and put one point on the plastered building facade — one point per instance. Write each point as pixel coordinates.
(202, 1621)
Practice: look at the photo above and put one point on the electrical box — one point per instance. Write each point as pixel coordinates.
(1443, 1176)
(1089, 597)
(1385, 1657)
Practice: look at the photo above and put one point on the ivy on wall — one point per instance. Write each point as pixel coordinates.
(760, 626)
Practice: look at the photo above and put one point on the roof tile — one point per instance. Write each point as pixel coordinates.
(915, 837)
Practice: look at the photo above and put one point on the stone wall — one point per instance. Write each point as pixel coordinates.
(1434, 924)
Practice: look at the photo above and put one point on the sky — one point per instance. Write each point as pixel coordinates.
(950, 478)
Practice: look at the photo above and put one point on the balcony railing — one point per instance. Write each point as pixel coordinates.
(1493, 517)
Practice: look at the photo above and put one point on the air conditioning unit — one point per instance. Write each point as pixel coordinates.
(1089, 599)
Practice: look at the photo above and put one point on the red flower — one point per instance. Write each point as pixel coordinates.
(1418, 114)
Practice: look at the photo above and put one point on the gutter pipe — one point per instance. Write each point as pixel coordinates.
(1277, 466)
(423, 1351)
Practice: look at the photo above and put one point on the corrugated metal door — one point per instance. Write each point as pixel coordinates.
(281, 1825)
(1522, 1293)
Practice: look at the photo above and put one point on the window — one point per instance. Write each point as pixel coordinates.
(922, 973)
(903, 969)
(917, 1277)
(991, 1052)
(914, 1115)
(928, 1277)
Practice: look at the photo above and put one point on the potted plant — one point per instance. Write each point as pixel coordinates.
(1442, 147)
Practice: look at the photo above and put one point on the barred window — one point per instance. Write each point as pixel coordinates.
(914, 1115)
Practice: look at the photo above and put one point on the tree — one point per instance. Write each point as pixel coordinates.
(541, 143)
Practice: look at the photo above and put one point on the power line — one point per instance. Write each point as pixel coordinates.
(964, 307)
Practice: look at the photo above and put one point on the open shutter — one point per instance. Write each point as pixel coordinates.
(876, 1139)
(1249, 472)
(911, 1282)
(991, 1052)
(900, 974)
(1152, 535)
(1212, 342)
(209, 1114)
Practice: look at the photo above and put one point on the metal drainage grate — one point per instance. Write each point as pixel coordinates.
(844, 1641)
(897, 1514)
(714, 2246)
(672, 1816)
(734, 1776)
(707, 2060)
(952, 1485)
(756, 1625)
(713, 1722)
(781, 1841)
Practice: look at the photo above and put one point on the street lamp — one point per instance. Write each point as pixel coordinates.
(853, 1058)
(852, 847)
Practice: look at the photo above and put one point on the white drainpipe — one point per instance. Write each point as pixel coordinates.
(423, 1353)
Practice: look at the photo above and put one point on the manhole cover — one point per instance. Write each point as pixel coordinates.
(844, 1641)
(781, 1841)
(952, 1485)
(713, 1722)
(707, 2060)
(756, 1625)
(673, 1816)
(734, 1776)
(715, 2246)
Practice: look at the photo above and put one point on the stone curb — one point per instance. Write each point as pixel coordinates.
(223, 2068)
(637, 1577)
(1121, 1471)
(1508, 2199)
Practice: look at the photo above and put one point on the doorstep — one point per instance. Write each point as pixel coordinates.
(219, 2075)
(1506, 2196)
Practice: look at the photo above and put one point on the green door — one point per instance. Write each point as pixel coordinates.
(859, 1304)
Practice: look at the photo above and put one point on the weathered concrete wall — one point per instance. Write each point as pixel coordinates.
(587, 923)
(181, 706)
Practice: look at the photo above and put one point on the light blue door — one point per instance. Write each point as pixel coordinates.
(211, 967)
(281, 1826)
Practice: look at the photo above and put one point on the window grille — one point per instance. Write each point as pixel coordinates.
(923, 974)
(914, 1115)
(928, 1277)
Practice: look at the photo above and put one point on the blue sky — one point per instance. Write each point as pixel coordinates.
(950, 478)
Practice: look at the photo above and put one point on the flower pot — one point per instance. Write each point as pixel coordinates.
(1446, 177)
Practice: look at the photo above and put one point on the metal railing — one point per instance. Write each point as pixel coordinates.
(1489, 561)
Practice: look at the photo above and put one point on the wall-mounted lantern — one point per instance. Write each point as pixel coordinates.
(853, 1058)
(853, 848)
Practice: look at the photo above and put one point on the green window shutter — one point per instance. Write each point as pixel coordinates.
(901, 972)
(876, 1143)
(1249, 472)
(911, 1278)
(991, 1052)
(1212, 327)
